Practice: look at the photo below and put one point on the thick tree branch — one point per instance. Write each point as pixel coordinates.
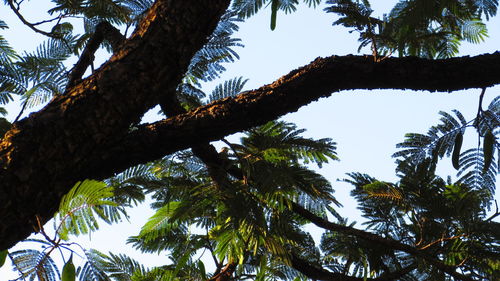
(316, 273)
(97, 112)
(318, 79)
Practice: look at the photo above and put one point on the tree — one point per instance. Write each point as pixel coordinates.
(91, 130)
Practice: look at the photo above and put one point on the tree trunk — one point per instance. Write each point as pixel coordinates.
(45, 154)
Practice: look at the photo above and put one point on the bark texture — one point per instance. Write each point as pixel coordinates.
(96, 113)
(318, 79)
(85, 133)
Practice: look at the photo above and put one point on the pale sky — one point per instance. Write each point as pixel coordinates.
(365, 124)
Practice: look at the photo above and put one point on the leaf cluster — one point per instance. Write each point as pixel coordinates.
(421, 209)
(249, 222)
(476, 166)
(432, 29)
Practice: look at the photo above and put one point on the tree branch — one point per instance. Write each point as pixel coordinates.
(318, 79)
(215, 165)
(392, 244)
(103, 31)
(316, 273)
(226, 273)
(29, 24)
(96, 113)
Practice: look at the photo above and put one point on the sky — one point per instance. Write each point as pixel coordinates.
(365, 124)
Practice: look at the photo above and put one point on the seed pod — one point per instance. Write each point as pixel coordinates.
(3, 257)
(456, 150)
(274, 13)
(201, 267)
(488, 147)
(68, 271)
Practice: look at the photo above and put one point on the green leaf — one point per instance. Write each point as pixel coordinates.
(68, 272)
(83, 205)
(488, 147)
(3, 257)
(456, 150)
(161, 218)
(274, 13)
(201, 267)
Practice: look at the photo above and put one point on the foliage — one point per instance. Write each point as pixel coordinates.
(474, 169)
(78, 214)
(248, 8)
(248, 205)
(246, 218)
(432, 29)
(208, 63)
(422, 209)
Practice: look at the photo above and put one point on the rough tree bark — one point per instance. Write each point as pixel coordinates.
(85, 133)
(97, 113)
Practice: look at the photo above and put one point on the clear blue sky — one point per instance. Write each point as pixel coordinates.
(365, 124)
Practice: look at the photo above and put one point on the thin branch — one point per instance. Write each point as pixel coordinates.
(103, 31)
(442, 240)
(226, 273)
(21, 111)
(30, 25)
(58, 18)
(392, 244)
(480, 106)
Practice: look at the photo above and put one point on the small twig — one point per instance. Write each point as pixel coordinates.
(421, 229)
(442, 240)
(210, 248)
(41, 230)
(462, 262)
(21, 112)
(386, 56)
(27, 23)
(59, 17)
(480, 106)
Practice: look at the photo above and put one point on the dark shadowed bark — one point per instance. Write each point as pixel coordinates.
(86, 132)
(97, 113)
(321, 274)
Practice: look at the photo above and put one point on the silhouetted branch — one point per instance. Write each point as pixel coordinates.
(28, 24)
(103, 31)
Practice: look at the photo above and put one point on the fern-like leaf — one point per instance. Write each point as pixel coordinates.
(35, 264)
(229, 88)
(471, 171)
(84, 203)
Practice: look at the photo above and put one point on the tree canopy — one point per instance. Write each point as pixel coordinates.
(85, 157)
